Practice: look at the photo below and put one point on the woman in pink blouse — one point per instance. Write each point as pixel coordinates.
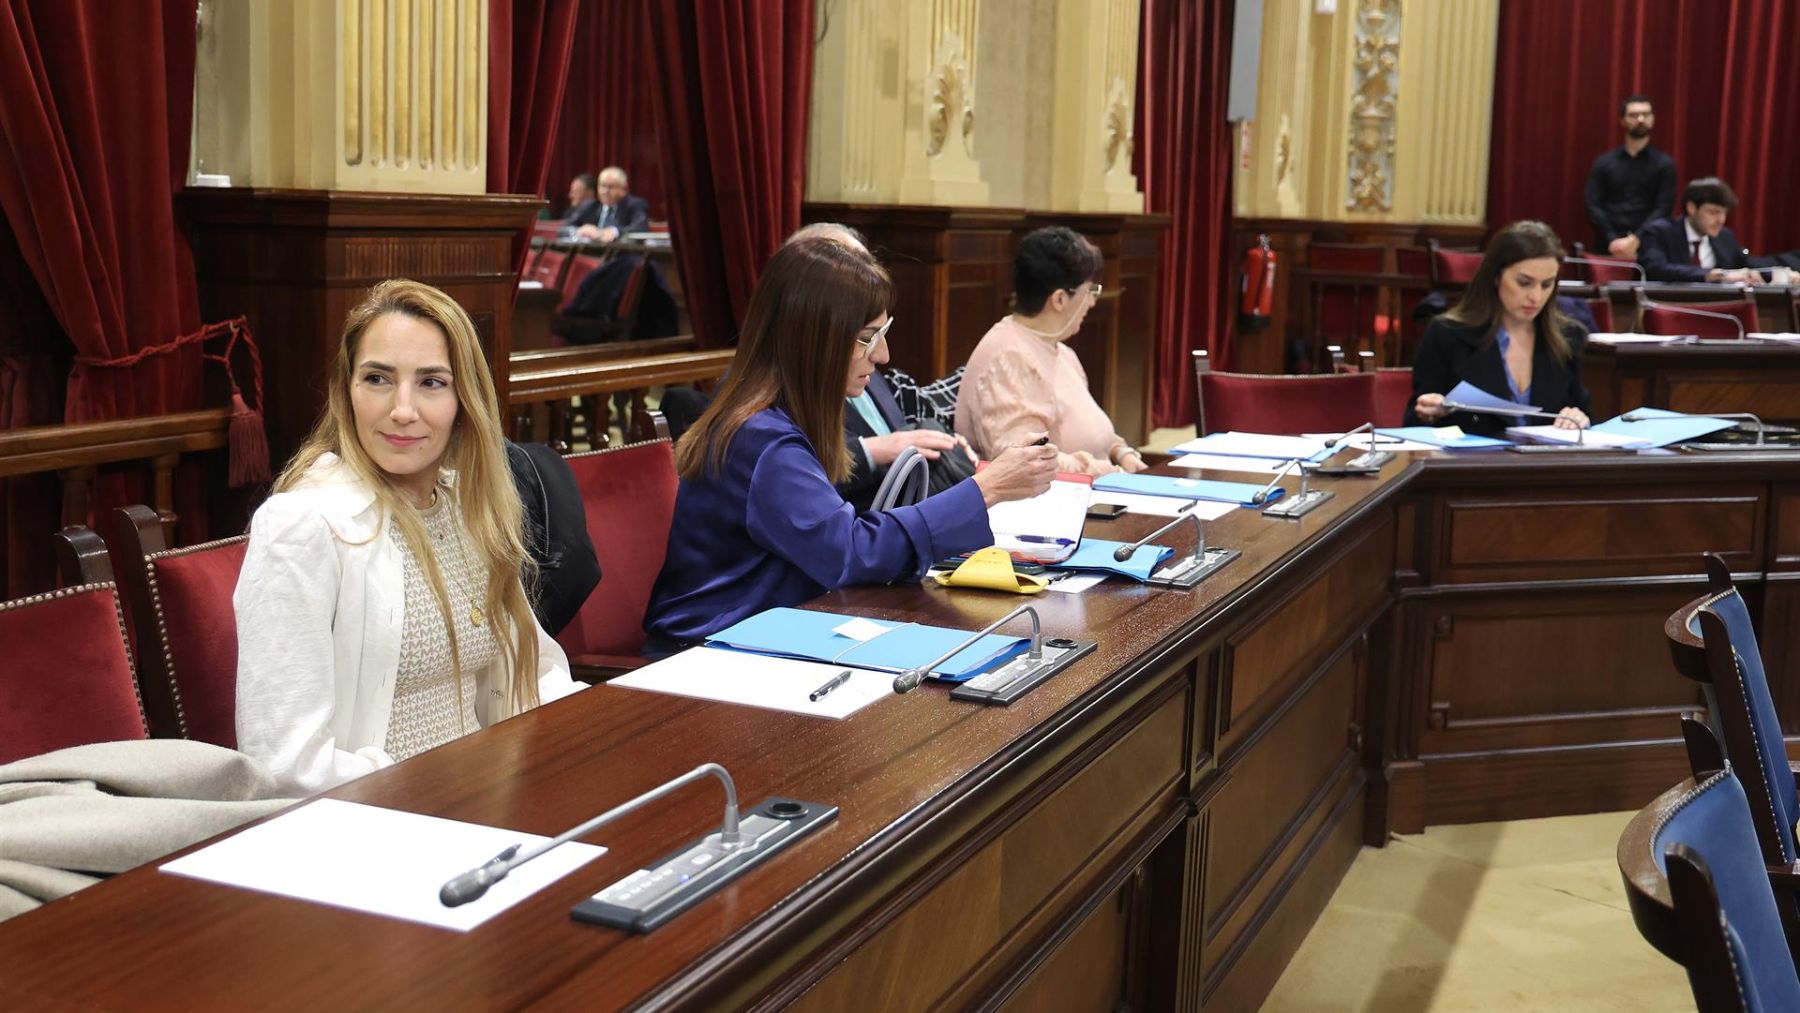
(1023, 380)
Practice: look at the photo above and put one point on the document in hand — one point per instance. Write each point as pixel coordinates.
(1096, 554)
(1047, 527)
(1263, 445)
(1445, 437)
(1241, 493)
(1659, 428)
(1473, 396)
(880, 645)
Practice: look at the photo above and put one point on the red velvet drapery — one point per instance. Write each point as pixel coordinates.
(1716, 71)
(1183, 161)
(529, 42)
(733, 80)
(609, 110)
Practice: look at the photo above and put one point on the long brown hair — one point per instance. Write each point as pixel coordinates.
(799, 333)
(483, 494)
(1480, 305)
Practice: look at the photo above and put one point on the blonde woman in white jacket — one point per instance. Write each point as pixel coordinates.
(380, 609)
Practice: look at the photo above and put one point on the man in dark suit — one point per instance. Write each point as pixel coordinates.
(619, 212)
(1634, 183)
(1697, 246)
(584, 204)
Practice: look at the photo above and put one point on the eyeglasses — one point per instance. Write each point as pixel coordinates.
(1095, 291)
(873, 341)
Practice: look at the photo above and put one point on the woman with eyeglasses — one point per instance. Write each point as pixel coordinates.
(1024, 378)
(758, 523)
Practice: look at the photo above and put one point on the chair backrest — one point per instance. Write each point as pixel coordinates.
(1414, 261)
(1281, 403)
(66, 676)
(1362, 258)
(1702, 319)
(629, 495)
(547, 270)
(1606, 271)
(1602, 310)
(580, 267)
(1452, 267)
(1345, 311)
(1747, 717)
(186, 628)
(1699, 892)
(632, 295)
(1393, 394)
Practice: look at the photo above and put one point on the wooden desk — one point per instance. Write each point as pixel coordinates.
(1754, 376)
(1158, 827)
(1774, 303)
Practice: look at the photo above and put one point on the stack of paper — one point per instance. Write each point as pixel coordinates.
(865, 643)
(1659, 428)
(1216, 462)
(1047, 527)
(1163, 506)
(1589, 438)
(758, 680)
(1603, 338)
(1445, 437)
(1261, 445)
(1239, 493)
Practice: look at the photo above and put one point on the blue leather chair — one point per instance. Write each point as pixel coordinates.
(1699, 893)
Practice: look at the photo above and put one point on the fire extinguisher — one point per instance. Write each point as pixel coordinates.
(1256, 302)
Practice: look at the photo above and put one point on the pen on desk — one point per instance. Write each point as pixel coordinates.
(1043, 540)
(837, 680)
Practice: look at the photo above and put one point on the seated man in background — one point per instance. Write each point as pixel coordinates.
(1697, 246)
(584, 205)
(619, 211)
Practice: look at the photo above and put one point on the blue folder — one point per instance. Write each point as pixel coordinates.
(1438, 438)
(1241, 493)
(1096, 554)
(805, 634)
(1662, 427)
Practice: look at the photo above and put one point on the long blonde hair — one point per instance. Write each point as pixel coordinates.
(483, 493)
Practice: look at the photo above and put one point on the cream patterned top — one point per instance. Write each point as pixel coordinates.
(427, 709)
(1017, 384)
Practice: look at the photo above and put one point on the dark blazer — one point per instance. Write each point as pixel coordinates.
(585, 213)
(1666, 256)
(859, 489)
(630, 214)
(1450, 353)
(556, 533)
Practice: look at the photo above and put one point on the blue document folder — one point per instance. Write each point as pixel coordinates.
(1662, 427)
(1439, 438)
(804, 633)
(1096, 554)
(1241, 493)
(1473, 396)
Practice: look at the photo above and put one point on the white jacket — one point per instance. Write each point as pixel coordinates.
(320, 603)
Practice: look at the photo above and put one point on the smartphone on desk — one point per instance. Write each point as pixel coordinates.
(1104, 511)
(953, 562)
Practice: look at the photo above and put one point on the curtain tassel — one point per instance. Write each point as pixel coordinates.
(248, 443)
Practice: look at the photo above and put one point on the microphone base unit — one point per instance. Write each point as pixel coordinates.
(1022, 674)
(1298, 505)
(1186, 573)
(1373, 460)
(651, 896)
(1562, 448)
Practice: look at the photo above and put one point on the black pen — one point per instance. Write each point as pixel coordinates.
(1042, 441)
(837, 680)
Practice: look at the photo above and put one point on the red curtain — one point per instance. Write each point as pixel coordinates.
(733, 79)
(529, 42)
(1716, 71)
(1183, 161)
(609, 112)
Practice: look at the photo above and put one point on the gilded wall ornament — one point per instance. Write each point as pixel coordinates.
(1371, 149)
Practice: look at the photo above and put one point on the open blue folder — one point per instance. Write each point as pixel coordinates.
(1241, 493)
(805, 634)
(1439, 438)
(1663, 427)
(1096, 554)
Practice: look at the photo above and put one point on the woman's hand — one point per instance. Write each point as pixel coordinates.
(1430, 407)
(1132, 462)
(1571, 418)
(1018, 473)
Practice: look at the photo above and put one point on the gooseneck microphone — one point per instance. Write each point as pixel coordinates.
(1125, 552)
(910, 679)
(1692, 311)
(1602, 262)
(1261, 496)
(472, 884)
(1761, 427)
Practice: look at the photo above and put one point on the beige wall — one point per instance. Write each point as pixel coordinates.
(385, 95)
(976, 103)
(1378, 112)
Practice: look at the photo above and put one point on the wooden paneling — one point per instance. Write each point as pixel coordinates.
(1731, 377)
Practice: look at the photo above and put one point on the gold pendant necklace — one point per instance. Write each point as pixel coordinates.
(477, 616)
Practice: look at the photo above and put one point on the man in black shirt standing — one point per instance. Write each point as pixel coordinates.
(1632, 184)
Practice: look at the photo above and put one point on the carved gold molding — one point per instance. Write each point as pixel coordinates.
(1370, 182)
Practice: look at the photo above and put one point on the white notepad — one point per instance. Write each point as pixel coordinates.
(379, 861)
(757, 680)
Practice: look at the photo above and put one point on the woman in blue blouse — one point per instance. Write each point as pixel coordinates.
(758, 523)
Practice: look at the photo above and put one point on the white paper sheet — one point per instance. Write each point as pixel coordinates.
(1164, 506)
(756, 680)
(1247, 465)
(1075, 582)
(379, 861)
(1360, 442)
(1774, 335)
(1604, 338)
(1591, 438)
(1279, 448)
(1045, 527)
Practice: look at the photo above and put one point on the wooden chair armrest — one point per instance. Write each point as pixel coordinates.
(1785, 877)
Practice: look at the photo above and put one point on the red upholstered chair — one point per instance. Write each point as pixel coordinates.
(1605, 270)
(1701, 319)
(186, 630)
(1393, 393)
(1452, 268)
(1413, 262)
(1603, 314)
(548, 269)
(629, 494)
(65, 675)
(1281, 403)
(580, 267)
(1349, 314)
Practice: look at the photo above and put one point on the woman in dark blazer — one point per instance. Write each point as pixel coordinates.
(1506, 337)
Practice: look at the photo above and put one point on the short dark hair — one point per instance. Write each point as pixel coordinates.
(1049, 259)
(1629, 100)
(1709, 190)
(588, 180)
